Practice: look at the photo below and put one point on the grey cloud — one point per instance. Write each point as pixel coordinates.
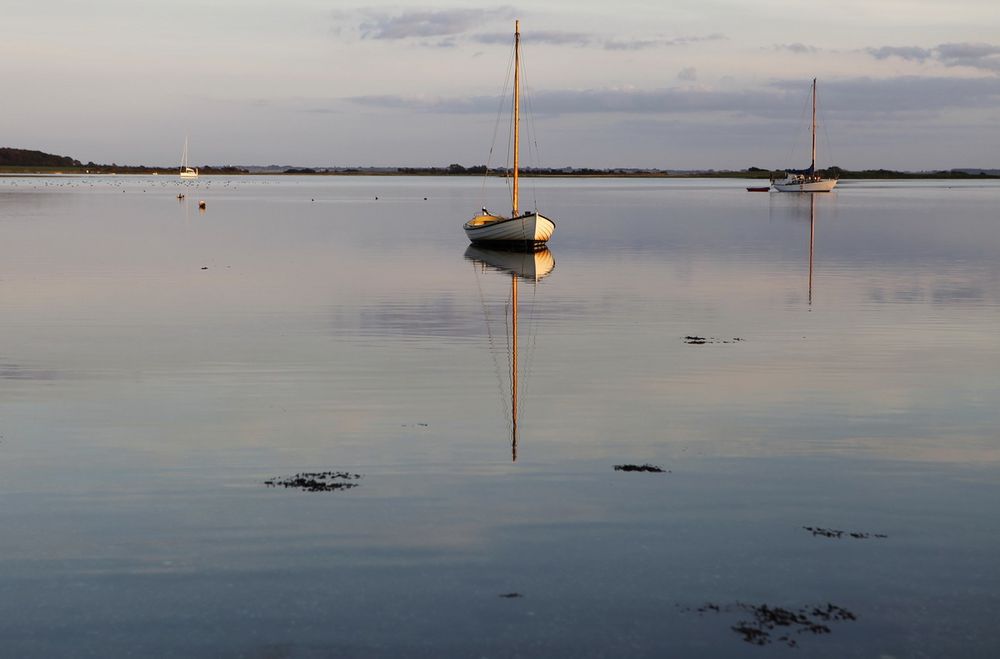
(912, 53)
(427, 23)
(797, 48)
(583, 39)
(639, 44)
(855, 98)
(975, 55)
(982, 56)
(858, 97)
(967, 50)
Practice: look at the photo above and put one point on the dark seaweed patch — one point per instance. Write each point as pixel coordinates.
(837, 533)
(646, 467)
(768, 621)
(319, 481)
(702, 340)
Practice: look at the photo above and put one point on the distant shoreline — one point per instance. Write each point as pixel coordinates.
(585, 173)
(26, 162)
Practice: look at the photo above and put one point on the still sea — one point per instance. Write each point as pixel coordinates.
(817, 378)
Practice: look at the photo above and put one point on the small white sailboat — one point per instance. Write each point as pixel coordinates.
(531, 266)
(807, 180)
(527, 229)
(186, 170)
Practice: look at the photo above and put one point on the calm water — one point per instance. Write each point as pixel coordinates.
(158, 364)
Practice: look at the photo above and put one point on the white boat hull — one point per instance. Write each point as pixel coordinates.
(527, 229)
(820, 185)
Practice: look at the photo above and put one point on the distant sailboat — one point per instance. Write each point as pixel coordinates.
(807, 180)
(523, 229)
(531, 266)
(186, 170)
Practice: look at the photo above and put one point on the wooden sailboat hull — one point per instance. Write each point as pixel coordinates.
(821, 185)
(530, 229)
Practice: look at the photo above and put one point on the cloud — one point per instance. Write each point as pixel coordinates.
(782, 100)
(641, 44)
(975, 55)
(797, 48)
(548, 37)
(448, 25)
(982, 56)
(688, 73)
(912, 53)
(427, 22)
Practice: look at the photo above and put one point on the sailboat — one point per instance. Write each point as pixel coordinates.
(186, 170)
(807, 180)
(531, 266)
(525, 229)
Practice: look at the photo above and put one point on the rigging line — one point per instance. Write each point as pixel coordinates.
(803, 118)
(496, 124)
(501, 398)
(533, 132)
(826, 137)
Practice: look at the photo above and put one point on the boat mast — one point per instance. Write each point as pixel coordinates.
(513, 368)
(517, 141)
(812, 167)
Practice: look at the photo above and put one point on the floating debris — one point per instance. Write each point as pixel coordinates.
(320, 481)
(837, 533)
(646, 467)
(767, 620)
(702, 340)
(510, 595)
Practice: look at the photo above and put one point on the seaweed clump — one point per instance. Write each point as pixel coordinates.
(702, 340)
(837, 533)
(318, 481)
(644, 467)
(769, 621)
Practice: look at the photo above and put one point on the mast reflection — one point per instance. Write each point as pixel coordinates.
(812, 242)
(531, 266)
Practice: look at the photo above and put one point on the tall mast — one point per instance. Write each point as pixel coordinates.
(513, 368)
(517, 85)
(813, 165)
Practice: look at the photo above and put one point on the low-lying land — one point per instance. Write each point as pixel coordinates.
(23, 161)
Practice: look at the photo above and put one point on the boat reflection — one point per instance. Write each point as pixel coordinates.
(812, 243)
(532, 266)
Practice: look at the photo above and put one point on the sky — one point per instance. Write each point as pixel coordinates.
(685, 84)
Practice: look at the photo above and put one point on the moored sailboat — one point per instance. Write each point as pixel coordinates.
(186, 170)
(525, 229)
(807, 180)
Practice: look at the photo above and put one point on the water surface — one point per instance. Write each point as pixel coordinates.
(158, 364)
